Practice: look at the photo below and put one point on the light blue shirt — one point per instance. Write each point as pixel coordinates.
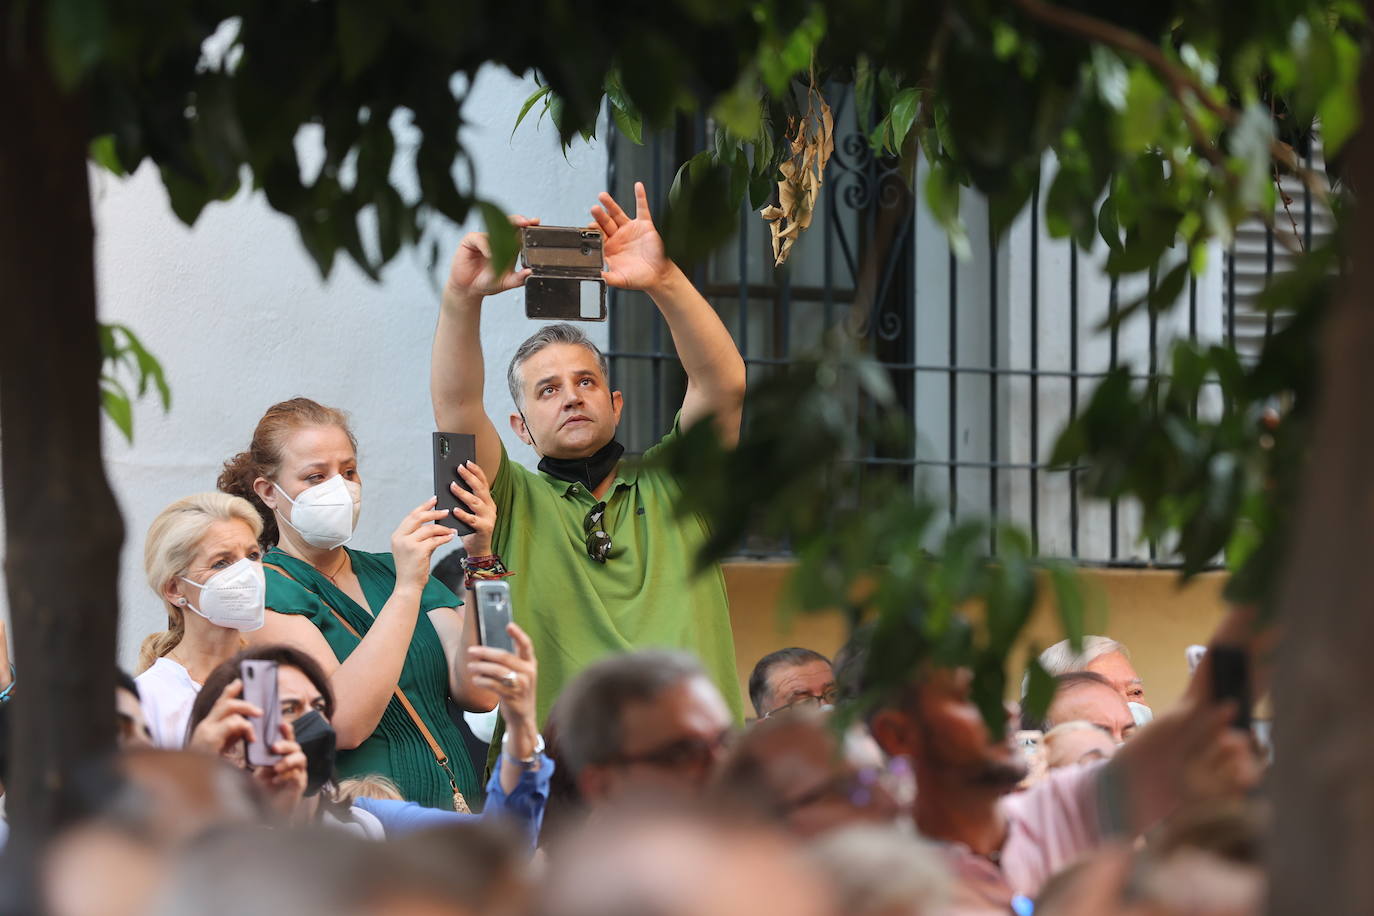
(523, 807)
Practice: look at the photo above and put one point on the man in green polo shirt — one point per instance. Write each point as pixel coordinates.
(603, 563)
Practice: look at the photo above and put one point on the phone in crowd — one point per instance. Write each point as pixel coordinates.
(1231, 681)
(565, 273)
(450, 450)
(260, 688)
(1194, 655)
(493, 613)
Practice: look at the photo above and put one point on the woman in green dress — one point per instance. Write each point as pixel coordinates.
(392, 638)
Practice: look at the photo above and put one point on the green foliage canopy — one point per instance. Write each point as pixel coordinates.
(1167, 122)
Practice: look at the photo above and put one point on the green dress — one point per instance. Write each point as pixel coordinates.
(397, 749)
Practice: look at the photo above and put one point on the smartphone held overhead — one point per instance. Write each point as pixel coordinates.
(565, 281)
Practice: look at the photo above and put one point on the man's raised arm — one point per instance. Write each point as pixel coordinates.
(635, 259)
(457, 372)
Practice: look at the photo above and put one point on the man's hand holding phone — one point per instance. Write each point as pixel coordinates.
(470, 274)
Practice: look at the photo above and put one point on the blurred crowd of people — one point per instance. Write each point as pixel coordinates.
(312, 732)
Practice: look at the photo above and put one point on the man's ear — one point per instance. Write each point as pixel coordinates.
(517, 425)
(617, 405)
(896, 733)
(594, 782)
(266, 492)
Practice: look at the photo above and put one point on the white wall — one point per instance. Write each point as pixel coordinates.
(237, 313)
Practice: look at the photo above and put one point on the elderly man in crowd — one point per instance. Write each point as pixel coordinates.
(1083, 696)
(791, 677)
(1105, 657)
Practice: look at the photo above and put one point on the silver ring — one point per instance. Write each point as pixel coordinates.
(511, 678)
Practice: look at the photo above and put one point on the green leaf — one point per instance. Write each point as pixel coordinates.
(903, 115)
(740, 110)
(1141, 124)
(791, 55)
(1107, 225)
(1339, 109)
(361, 35)
(942, 198)
(115, 402)
(535, 96)
(501, 236)
(102, 153)
(629, 125)
(77, 33)
(1068, 593)
(864, 88)
(703, 207)
(1040, 687)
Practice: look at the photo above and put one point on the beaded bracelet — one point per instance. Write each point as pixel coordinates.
(488, 567)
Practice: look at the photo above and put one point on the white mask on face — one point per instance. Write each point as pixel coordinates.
(234, 597)
(1142, 714)
(324, 515)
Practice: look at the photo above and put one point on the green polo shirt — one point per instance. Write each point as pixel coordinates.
(646, 595)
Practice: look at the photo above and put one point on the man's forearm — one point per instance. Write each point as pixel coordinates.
(457, 373)
(714, 367)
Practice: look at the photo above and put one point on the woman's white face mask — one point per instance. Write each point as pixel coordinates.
(324, 515)
(234, 597)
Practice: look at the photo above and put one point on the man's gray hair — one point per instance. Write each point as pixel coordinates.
(587, 716)
(1061, 659)
(561, 333)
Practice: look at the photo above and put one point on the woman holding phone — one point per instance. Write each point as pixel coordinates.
(201, 555)
(392, 639)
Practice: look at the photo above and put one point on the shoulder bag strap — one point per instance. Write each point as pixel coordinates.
(439, 756)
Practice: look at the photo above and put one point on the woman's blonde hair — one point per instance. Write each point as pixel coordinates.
(371, 785)
(171, 544)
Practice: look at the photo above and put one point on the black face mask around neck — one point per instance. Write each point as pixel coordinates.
(589, 471)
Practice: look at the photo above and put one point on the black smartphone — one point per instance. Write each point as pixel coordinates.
(451, 450)
(493, 613)
(1231, 681)
(260, 688)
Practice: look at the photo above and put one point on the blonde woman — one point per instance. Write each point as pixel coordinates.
(201, 555)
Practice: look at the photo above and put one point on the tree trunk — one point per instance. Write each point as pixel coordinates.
(63, 529)
(1323, 780)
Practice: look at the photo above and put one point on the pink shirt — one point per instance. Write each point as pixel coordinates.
(1048, 827)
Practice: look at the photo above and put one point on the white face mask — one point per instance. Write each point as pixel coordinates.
(234, 597)
(324, 515)
(1142, 714)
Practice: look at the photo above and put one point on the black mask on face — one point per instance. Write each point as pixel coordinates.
(589, 471)
(316, 737)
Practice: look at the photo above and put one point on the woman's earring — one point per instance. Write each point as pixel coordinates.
(181, 601)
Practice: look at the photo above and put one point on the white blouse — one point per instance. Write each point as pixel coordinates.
(167, 694)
